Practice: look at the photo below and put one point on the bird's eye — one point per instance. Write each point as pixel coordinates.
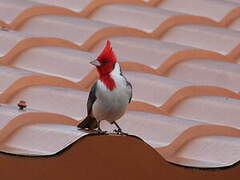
(104, 61)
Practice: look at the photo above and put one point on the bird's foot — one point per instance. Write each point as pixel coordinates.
(120, 132)
(100, 132)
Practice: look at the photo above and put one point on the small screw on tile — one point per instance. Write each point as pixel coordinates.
(22, 105)
(4, 28)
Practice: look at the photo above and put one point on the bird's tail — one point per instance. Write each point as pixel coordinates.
(88, 123)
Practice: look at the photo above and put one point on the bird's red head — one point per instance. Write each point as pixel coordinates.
(105, 62)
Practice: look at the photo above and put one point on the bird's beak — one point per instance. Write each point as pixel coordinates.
(95, 63)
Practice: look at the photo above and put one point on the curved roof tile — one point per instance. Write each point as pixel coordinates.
(190, 116)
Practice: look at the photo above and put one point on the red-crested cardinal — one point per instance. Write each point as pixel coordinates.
(110, 95)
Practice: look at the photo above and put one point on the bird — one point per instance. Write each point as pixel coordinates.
(110, 95)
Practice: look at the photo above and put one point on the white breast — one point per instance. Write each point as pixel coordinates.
(111, 105)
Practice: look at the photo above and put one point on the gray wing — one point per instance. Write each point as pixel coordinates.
(129, 85)
(91, 98)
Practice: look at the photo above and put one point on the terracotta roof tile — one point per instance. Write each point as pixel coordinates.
(201, 8)
(186, 53)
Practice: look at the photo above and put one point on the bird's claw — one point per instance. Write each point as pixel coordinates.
(99, 132)
(119, 132)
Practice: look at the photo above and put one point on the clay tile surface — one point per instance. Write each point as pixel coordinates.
(182, 58)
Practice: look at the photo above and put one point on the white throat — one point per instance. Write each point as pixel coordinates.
(116, 71)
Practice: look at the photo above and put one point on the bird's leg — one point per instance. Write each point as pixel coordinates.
(118, 130)
(99, 130)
